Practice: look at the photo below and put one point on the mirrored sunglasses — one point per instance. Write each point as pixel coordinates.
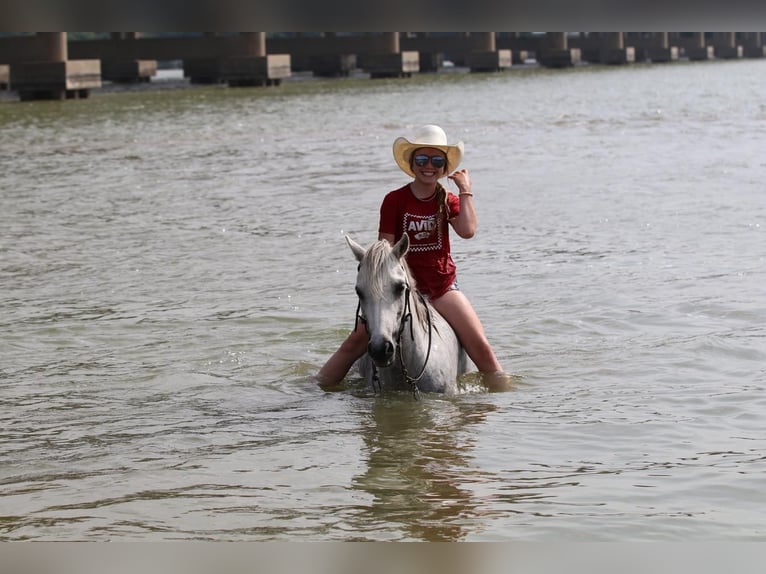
(437, 161)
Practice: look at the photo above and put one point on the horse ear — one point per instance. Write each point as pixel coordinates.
(401, 247)
(358, 250)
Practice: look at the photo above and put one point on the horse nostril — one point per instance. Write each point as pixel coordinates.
(382, 352)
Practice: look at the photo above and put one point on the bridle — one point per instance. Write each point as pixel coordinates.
(406, 317)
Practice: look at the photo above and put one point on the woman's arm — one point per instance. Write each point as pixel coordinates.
(465, 223)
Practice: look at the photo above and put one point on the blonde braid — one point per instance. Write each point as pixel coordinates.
(441, 202)
(441, 193)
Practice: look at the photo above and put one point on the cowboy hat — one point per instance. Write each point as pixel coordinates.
(426, 136)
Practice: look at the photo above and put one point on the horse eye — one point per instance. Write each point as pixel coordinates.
(359, 293)
(399, 288)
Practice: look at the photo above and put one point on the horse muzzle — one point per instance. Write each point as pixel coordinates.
(381, 352)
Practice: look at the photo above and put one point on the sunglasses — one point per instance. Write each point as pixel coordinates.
(437, 161)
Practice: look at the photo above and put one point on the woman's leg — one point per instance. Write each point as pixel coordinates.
(455, 307)
(338, 365)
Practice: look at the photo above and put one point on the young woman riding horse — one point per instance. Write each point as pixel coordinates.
(424, 209)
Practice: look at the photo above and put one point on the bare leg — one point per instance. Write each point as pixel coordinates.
(460, 314)
(337, 366)
(457, 309)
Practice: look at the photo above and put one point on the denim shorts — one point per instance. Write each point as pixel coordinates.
(453, 287)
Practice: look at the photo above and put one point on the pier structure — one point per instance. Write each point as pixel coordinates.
(477, 51)
(521, 48)
(431, 60)
(752, 44)
(46, 72)
(652, 47)
(485, 57)
(604, 48)
(127, 70)
(726, 46)
(388, 60)
(46, 65)
(335, 54)
(556, 53)
(326, 54)
(695, 47)
(239, 60)
(327, 61)
(235, 59)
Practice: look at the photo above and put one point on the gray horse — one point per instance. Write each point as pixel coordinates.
(411, 346)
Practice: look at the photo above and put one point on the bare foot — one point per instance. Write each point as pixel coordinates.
(329, 386)
(497, 382)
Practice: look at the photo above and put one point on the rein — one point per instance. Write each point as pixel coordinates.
(407, 316)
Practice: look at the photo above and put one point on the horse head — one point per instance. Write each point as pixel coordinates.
(383, 284)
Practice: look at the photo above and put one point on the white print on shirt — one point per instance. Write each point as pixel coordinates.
(424, 231)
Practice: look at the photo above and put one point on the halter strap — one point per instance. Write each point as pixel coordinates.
(413, 380)
(406, 316)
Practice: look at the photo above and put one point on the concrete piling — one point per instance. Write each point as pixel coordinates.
(123, 70)
(695, 47)
(239, 61)
(389, 61)
(556, 53)
(614, 51)
(752, 45)
(726, 47)
(40, 67)
(485, 57)
(53, 76)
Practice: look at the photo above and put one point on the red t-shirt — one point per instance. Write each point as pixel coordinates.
(429, 256)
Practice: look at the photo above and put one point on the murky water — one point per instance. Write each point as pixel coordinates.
(173, 269)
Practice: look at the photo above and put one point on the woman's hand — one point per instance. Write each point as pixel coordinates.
(464, 223)
(462, 180)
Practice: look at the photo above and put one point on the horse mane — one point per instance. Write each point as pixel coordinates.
(373, 264)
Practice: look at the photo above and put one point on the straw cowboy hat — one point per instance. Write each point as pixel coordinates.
(426, 136)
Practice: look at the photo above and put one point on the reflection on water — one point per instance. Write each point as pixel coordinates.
(417, 466)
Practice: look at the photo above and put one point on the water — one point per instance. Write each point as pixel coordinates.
(173, 270)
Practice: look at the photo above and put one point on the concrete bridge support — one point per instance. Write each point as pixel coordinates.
(726, 47)
(485, 57)
(127, 71)
(752, 45)
(659, 49)
(605, 48)
(430, 60)
(389, 61)
(50, 75)
(252, 66)
(241, 61)
(333, 64)
(201, 70)
(696, 49)
(556, 53)
(613, 50)
(513, 42)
